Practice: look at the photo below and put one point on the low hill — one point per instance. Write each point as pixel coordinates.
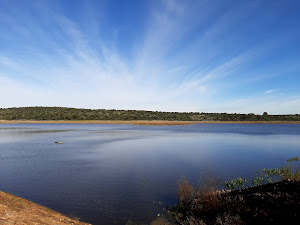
(61, 113)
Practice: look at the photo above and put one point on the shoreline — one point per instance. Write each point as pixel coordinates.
(18, 210)
(142, 122)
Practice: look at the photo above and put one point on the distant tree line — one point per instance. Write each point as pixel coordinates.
(61, 113)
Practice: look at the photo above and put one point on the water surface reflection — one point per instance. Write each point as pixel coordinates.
(107, 174)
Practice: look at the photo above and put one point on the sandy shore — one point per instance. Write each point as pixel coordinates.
(142, 122)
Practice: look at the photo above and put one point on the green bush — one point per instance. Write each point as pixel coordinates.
(265, 176)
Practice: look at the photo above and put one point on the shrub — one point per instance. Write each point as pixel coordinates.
(236, 183)
(228, 219)
(185, 191)
(286, 172)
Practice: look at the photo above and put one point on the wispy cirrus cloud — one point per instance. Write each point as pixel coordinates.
(269, 91)
(186, 59)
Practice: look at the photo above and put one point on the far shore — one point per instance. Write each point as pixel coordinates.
(142, 122)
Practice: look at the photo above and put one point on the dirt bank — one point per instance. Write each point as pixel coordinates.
(16, 210)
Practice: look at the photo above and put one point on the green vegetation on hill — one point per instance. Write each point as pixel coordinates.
(61, 113)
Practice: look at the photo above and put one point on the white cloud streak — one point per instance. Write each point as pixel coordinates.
(269, 91)
(76, 74)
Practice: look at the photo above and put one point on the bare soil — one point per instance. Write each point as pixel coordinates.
(16, 210)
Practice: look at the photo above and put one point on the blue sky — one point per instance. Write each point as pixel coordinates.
(164, 55)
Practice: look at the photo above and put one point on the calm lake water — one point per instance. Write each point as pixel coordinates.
(107, 174)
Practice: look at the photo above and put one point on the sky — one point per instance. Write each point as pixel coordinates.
(160, 55)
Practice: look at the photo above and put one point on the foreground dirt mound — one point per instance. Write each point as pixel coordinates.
(15, 210)
(277, 203)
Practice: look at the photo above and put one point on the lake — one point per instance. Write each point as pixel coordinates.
(110, 173)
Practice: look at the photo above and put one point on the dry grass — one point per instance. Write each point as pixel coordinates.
(289, 175)
(15, 210)
(227, 219)
(194, 221)
(203, 200)
(207, 196)
(291, 171)
(296, 176)
(273, 203)
(185, 191)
